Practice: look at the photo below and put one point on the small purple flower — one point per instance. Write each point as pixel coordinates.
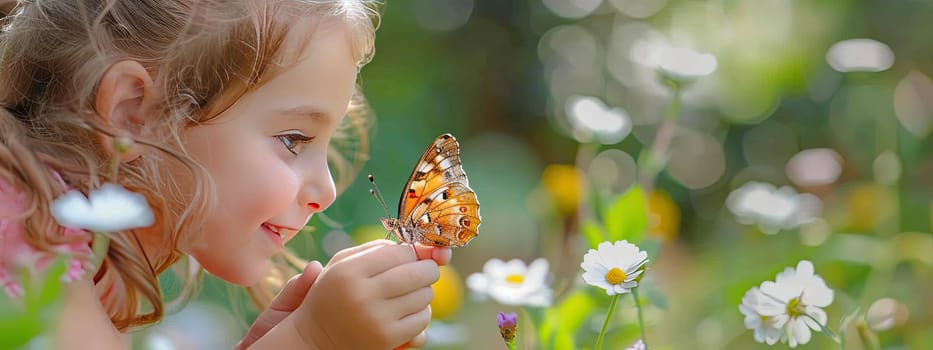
(508, 324)
(639, 345)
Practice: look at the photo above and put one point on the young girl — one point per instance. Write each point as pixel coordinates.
(235, 110)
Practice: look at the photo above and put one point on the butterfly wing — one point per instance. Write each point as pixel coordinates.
(454, 213)
(438, 206)
(439, 164)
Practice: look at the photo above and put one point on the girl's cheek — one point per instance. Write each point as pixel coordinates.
(273, 189)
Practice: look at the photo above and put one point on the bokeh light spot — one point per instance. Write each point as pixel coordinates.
(572, 8)
(563, 183)
(591, 120)
(815, 233)
(612, 171)
(814, 167)
(682, 64)
(913, 103)
(334, 241)
(860, 55)
(887, 168)
(697, 159)
(664, 216)
(638, 8)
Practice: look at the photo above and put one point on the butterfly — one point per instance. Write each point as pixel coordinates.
(437, 206)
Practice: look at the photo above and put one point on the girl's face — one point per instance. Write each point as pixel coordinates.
(268, 155)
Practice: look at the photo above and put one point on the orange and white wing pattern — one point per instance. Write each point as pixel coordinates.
(438, 207)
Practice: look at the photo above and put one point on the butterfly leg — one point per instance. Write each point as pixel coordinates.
(413, 250)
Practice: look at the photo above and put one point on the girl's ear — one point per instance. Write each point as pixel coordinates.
(125, 101)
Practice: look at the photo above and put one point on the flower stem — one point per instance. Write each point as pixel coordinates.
(511, 345)
(828, 332)
(114, 168)
(101, 243)
(602, 332)
(868, 339)
(657, 153)
(641, 318)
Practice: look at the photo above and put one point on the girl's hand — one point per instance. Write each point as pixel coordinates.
(373, 296)
(288, 299)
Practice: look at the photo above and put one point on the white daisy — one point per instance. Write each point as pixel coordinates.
(513, 283)
(804, 295)
(760, 312)
(111, 208)
(614, 267)
(789, 307)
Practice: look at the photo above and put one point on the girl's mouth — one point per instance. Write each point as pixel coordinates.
(273, 228)
(274, 234)
(282, 232)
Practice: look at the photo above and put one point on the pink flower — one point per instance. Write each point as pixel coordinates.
(16, 254)
(13, 249)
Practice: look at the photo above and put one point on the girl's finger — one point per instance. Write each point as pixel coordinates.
(419, 341)
(403, 279)
(378, 260)
(413, 324)
(288, 299)
(439, 254)
(343, 254)
(294, 291)
(413, 302)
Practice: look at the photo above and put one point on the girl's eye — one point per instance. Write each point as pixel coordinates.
(293, 142)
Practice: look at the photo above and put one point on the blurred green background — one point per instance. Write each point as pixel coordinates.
(793, 101)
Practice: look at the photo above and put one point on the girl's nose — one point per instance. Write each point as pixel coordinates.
(318, 191)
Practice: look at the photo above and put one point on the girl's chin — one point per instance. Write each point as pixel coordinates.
(241, 273)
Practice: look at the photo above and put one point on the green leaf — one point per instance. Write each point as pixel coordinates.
(51, 287)
(574, 311)
(548, 330)
(563, 320)
(18, 329)
(593, 233)
(627, 218)
(844, 323)
(564, 340)
(528, 334)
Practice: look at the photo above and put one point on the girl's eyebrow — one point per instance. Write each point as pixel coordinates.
(312, 112)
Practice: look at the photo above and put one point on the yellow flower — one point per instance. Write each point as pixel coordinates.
(868, 205)
(563, 183)
(448, 294)
(663, 215)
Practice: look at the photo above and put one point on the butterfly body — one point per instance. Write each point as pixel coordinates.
(437, 206)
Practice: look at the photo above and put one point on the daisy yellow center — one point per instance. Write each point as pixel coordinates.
(795, 308)
(615, 276)
(515, 278)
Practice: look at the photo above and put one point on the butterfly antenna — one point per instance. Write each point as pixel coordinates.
(378, 195)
